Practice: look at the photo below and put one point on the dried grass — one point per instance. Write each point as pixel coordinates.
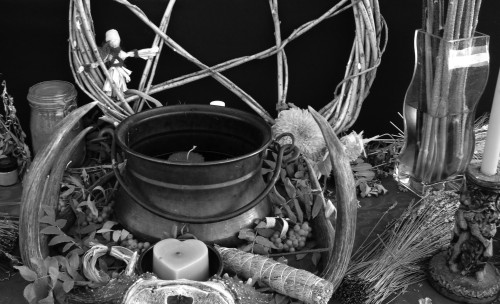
(396, 258)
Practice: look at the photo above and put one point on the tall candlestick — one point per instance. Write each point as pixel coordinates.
(492, 146)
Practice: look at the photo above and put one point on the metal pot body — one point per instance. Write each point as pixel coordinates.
(233, 144)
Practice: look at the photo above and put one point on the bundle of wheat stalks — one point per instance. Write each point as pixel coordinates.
(385, 266)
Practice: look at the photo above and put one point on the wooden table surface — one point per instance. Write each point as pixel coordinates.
(11, 291)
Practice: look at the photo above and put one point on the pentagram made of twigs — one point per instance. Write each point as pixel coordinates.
(341, 112)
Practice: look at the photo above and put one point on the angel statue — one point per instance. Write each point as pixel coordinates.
(114, 58)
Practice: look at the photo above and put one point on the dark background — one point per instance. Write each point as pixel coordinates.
(34, 48)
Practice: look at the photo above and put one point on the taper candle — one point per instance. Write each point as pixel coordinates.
(492, 146)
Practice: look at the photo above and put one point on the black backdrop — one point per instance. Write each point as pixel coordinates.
(34, 48)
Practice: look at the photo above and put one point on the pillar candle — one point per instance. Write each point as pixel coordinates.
(492, 146)
(175, 259)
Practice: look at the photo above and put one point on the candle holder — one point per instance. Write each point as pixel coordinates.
(463, 272)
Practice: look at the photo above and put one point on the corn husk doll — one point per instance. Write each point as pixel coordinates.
(114, 57)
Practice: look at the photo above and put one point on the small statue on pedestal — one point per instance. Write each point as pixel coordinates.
(463, 272)
(476, 223)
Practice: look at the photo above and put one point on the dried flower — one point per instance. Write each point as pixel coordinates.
(354, 145)
(307, 134)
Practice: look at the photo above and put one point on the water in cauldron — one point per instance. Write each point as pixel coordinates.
(213, 146)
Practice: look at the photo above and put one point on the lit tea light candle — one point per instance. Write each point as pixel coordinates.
(186, 157)
(174, 259)
(492, 146)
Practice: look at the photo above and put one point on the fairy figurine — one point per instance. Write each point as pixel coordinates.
(114, 58)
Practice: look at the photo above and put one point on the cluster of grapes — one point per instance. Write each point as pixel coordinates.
(294, 240)
(135, 245)
(104, 215)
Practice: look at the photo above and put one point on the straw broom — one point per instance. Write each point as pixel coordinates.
(396, 258)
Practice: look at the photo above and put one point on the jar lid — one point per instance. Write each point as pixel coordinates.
(8, 164)
(51, 93)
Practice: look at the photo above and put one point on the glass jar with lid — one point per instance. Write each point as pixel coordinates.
(50, 101)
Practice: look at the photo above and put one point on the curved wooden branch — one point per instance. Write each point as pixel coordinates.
(346, 204)
(32, 243)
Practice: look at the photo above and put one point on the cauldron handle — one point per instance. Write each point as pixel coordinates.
(288, 148)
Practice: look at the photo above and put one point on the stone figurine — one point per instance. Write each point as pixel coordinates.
(475, 226)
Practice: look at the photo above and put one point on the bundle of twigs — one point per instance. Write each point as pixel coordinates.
(388, 263)
(293, 282)
(341, 112)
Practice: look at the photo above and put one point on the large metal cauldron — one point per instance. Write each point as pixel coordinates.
(207, 199)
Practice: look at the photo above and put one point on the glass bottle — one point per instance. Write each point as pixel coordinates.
(50, 102)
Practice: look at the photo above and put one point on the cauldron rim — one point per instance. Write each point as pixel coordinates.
(123, 127)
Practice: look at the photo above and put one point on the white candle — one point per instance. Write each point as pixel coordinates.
(219, 103)
(175, 259)
(492, 146)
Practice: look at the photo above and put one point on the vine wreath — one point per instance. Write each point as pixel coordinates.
(341, 112)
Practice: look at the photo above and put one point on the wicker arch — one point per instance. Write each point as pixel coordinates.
(341, 112)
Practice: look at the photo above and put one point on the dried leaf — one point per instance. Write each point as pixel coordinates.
(123, 235)
(264, 242)
(368, 174)
(246, 247)
(247, 235)
(48, 220)
(89, 228)
(290, 213)
(298, 210)
(48, 300)
(68, 191)
(318, 204)
(67, 247)
(29, 293)
(68, 285)
(276, 198)
(265, 232)
(280, 299)
(362, 167)
(290, 188)
(260, 249)
(90, 204)
(75, 180)
(58, 239)
(51, 230)
(324, 167)
(300, 256)
(54, 273)
(116, 235)
(27, 274)
(61, 223)
(270, 163)
(73, 260)
(49, 211)
(316, 256)
(108, 224)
